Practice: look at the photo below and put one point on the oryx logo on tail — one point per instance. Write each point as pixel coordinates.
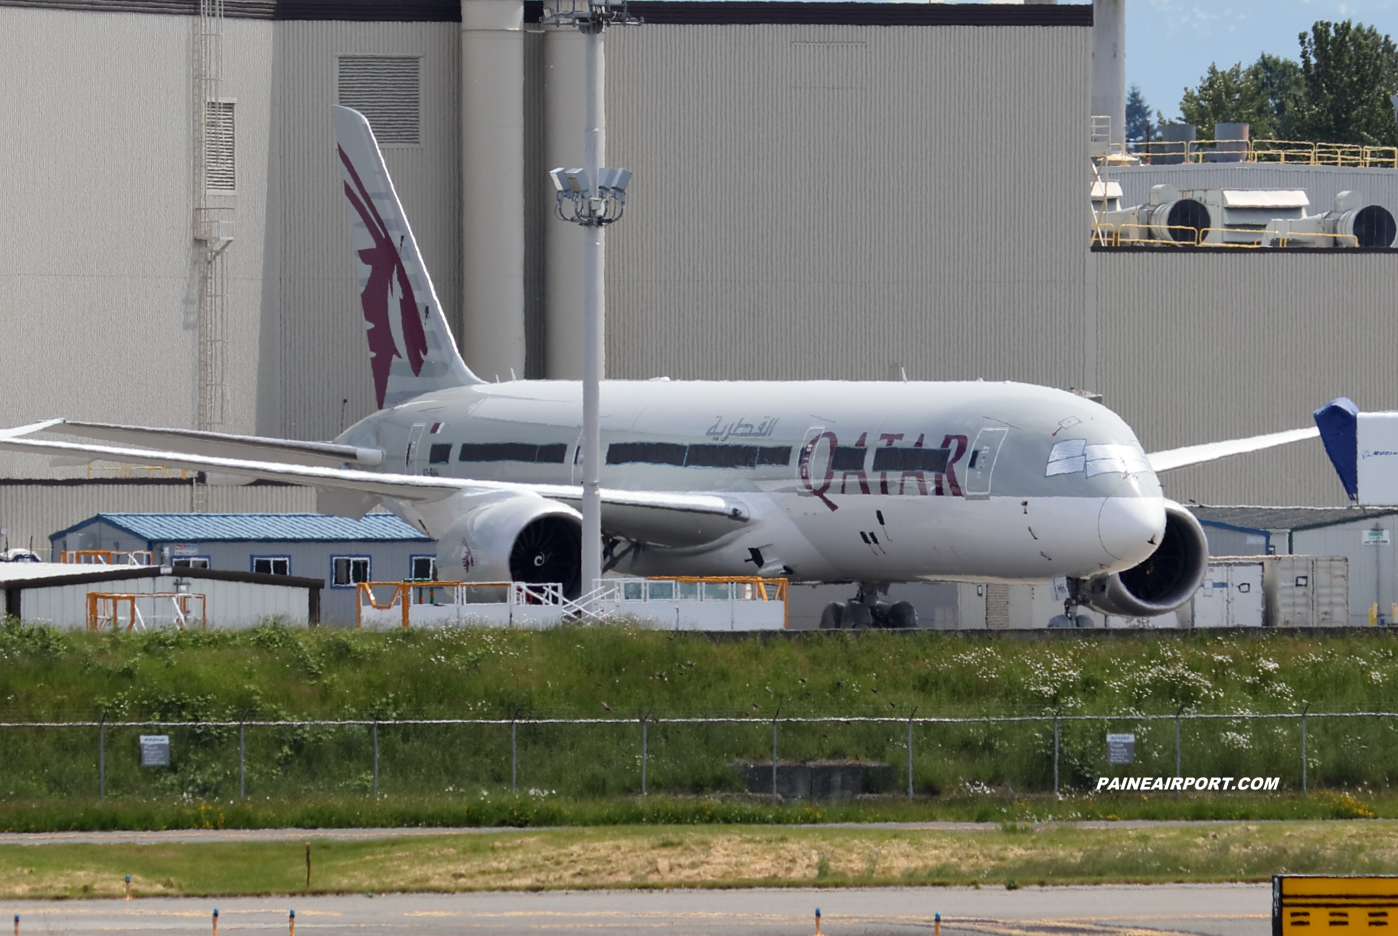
(385, 265)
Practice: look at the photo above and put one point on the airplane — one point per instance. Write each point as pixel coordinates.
(823, 481)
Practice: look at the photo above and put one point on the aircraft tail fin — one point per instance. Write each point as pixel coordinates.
(411, 348)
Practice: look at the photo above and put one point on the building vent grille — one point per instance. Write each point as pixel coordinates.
(385, 90)
(219, 175)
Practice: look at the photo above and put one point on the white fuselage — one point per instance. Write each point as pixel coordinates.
(976, 481)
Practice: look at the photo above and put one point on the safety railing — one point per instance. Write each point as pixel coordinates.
(542, 604)
(1289, 152)
(1064, 751)
(1103, 234)
(1320, 240)
(1178, 235)
(104, 610)
(141, 557)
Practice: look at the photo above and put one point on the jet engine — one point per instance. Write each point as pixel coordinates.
(515, 537)
(1163, 582)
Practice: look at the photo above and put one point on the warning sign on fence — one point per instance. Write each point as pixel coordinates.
(155, 750)
(1121, 749)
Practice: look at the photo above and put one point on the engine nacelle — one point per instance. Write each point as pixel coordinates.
(514, 537)
(1162, 583)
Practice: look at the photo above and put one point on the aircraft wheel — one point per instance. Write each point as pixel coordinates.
(830, 618)
(1082, 620)
(1060, 620)
(858, 614)
(902, 614)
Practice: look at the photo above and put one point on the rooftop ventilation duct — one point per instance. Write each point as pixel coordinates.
(1353, 223)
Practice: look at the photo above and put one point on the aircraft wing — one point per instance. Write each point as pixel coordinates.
(1171, 459)
(658, 517)
(221, 445)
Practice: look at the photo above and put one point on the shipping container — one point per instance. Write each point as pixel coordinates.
(1231, 595)
(1307, 591)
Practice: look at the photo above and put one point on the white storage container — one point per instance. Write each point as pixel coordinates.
(1231, 595)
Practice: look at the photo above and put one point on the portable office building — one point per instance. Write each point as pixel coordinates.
(337, 551)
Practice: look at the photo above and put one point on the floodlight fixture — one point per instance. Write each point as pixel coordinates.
(584, 205)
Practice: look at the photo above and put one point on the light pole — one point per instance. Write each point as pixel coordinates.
(592, 197)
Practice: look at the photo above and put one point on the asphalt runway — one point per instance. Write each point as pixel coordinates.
(1206, 909)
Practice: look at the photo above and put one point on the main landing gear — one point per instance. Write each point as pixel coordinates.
(866, 610)
(1070, 616)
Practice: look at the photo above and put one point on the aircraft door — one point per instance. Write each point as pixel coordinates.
(815, 472)
(414, 443)
(980, 463)
(576, 477)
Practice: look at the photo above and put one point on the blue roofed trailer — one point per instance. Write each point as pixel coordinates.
(338, 551)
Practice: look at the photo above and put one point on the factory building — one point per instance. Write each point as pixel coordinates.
(822, 190)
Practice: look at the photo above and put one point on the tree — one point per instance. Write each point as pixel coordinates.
(1231, 96)
(1348, 73)
(1283, 85)
(1137, 116)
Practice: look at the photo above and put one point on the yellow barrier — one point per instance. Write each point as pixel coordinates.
(1104, 234)
(1191, 241)
(403, 595)
(104, 609)
(1302, 904)
(1291, 152)
(142, 557)
(1285, 240)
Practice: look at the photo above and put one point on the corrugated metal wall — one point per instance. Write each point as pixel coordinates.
(227, 604)
(312, 327)
(1373, 570)
(1197, 347)
(97, 299)
(832, 201)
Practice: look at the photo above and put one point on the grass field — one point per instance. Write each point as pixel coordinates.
(671, 856)
(437, 775)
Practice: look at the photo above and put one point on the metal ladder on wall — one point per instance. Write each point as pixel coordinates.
(213, 223)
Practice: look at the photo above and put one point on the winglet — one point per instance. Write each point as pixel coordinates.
(1338, 422)
(18, 431)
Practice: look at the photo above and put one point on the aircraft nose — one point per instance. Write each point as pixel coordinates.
(1130, 528)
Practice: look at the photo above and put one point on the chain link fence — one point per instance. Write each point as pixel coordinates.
(590, 757)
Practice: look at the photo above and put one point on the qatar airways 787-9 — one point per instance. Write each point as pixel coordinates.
(815, 481)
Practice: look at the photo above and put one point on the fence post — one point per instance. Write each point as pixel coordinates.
(1303, 747)
(910, 751)
(1177, 745)
(514, 755)
(376, 757)
(645, 750)
(1055, 753)
(774, 753)
(242, 769)
(102, 759)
